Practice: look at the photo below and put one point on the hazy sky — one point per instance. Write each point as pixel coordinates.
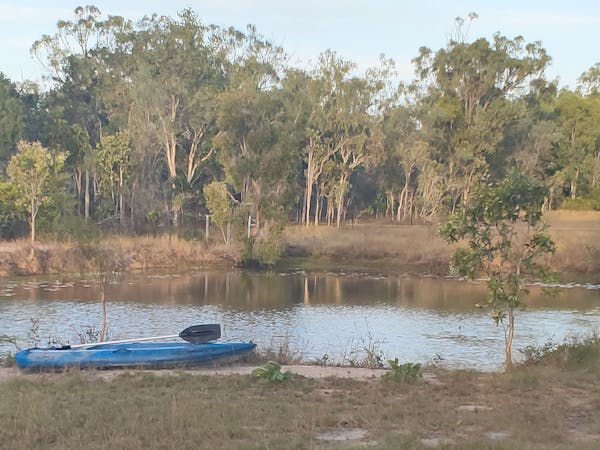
(359, 30)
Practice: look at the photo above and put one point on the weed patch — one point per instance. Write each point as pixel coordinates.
(403, 373)
(574, 353)
(271, 372)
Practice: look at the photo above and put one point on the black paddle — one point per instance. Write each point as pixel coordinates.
(196, 334)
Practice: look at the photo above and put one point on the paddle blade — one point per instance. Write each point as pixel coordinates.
(197, 334)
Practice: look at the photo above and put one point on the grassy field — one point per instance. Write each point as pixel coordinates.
(118, 253)
(555, 405)
(420, 249)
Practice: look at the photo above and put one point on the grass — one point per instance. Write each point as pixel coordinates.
(572, 353)
(534, 407)
(376, 245)
(420, 249)
(120, 253)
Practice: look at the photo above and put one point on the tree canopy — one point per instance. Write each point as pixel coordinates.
(152, 112)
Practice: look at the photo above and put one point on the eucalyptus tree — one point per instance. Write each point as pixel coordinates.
(299, 95)
(396, 123)
(341, 128)
(534, 156)
(589, 86)
(252, 149)
(475, 85)
(255, 144)
(589, 81)
(177, 72)
(407, 150)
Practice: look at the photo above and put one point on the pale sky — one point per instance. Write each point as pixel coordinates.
(358, 30)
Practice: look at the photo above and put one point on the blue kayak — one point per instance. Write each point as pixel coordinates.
(133, 354)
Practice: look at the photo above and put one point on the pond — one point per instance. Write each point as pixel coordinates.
(338, 317)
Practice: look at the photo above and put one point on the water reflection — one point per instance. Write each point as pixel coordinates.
(334, 314)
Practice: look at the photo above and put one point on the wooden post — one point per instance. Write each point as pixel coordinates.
(206, 231)
(103, 303)
(249, 224)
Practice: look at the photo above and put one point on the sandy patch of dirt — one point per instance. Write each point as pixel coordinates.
(342, 434)
(308, 371)
(317, 372)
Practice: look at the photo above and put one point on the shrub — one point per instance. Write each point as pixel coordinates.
(403, 373)
(271, 372)
(265, 249)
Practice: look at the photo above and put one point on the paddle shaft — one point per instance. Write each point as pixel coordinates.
(195, 334)
(122, 341)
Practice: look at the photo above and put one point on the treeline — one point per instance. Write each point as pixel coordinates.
(150, 126)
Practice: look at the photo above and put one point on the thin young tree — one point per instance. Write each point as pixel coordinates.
(506, 241)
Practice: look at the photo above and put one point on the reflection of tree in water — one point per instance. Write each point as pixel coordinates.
(257, 290)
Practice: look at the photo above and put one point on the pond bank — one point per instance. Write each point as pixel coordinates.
(377, 247)
(113, 254)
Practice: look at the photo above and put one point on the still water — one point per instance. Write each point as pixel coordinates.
(340, 317)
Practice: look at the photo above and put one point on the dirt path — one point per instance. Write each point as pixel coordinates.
(356, 373)
(308, 371)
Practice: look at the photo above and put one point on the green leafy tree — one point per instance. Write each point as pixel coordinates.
(176, 74)
(253, 140)
(114, 168)
(589, 81)
(75, 108)
(471, 87)
(578, 149)
(12, 118)
(218, 203)
(34, 169)
(506, 241)
(12, 210)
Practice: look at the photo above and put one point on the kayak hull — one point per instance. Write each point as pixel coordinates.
(134, 354)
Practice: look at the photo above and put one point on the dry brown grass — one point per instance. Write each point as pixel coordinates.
(385, 247)
(417, 248)
(421, 249)
(123, 254)
(531, 408)
(577, 237)
(163, 251)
